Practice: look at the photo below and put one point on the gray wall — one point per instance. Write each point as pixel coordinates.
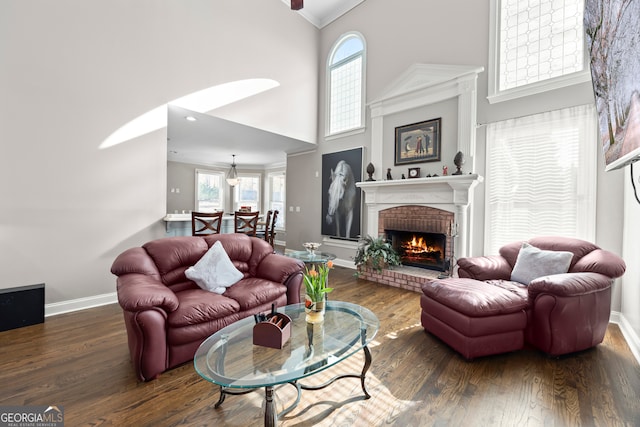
(399, 34)
(181, 176)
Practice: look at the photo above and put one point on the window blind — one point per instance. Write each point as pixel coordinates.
(541, 177)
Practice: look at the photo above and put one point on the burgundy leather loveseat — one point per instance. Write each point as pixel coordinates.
(485, 311)
(167, 316)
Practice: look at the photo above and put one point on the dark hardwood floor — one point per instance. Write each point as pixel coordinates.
(80, 361)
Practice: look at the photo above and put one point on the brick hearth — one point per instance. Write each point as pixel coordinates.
(432, 204)
(423, 219)
(404, 277)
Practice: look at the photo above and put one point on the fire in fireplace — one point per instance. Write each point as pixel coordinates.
(420, 249)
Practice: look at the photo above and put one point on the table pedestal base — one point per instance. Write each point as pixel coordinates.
(270, 413)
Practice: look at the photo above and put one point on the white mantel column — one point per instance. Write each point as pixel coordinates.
(467, 102)
(377, 142)
(461, 241)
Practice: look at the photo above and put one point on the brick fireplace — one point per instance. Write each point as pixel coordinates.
(425, 226)
(434, 204)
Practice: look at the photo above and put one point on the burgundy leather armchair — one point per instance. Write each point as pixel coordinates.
(167, 316)
(561, 313)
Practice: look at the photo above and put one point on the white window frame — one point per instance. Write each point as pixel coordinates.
(280, 221)
(236, 190)
(223, 184)
(495, 95)
(328, 67)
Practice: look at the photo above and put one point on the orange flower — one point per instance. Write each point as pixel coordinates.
(315, 280)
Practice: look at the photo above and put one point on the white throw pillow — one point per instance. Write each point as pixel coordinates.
(533, 262)
(214, 271)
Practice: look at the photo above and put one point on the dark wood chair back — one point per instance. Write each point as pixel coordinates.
(263, 226)
(246, 222)
(204, 223)
(270, 234)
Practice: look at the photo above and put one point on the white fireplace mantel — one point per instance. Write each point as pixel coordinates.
(419, 86)
(452, 193)
(427, 84)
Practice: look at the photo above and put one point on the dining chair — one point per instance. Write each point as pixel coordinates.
(246, 222)
(263, 227)
(205, 223)
(272, 229)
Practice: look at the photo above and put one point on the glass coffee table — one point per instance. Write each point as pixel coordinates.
(311, 258)
(229, 359)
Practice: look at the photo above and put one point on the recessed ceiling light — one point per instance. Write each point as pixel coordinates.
(190, 118)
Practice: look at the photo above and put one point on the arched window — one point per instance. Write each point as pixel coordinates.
(345, 76)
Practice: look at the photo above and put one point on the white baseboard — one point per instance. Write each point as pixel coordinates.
(348, 263)
(630, 336)
(79, 304)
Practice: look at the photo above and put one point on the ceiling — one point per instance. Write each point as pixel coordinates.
(212, 141)
(324, 12)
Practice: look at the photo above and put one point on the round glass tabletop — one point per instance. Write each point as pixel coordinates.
(230, 359)
(307, 256)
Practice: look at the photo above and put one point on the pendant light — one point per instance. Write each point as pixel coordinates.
(232, 176)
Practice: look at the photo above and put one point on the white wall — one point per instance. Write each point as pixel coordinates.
(630, 289)
(73, 71)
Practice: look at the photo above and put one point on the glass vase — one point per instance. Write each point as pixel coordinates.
(314, 310)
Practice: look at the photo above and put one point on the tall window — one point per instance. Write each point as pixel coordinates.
(209, 190)
(345, 71)
(247, 192)
(541, 177)
(536, 45)
(276, 182)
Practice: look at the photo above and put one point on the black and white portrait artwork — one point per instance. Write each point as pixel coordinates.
(341, 199)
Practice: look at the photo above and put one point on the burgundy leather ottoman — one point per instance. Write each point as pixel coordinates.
(475, 318)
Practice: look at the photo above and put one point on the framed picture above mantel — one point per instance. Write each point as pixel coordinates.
(418, 142)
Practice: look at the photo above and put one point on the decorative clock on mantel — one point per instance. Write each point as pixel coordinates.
(414, 172)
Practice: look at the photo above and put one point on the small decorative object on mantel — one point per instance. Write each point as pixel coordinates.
(445, 170)
(370, 170)
(403, 177)
(389, 177)
(414, 172)
(458, 160)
